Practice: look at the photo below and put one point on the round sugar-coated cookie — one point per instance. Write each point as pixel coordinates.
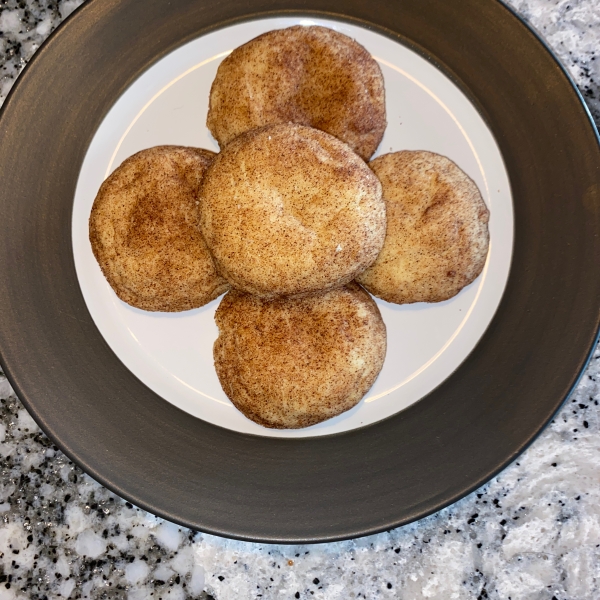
(294, 362)
(145, 235)
(289, 210)
(437, 229)
(313, 76)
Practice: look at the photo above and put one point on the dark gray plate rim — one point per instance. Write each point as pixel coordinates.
(313, 489)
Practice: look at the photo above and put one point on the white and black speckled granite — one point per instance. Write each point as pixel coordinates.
(533, 533)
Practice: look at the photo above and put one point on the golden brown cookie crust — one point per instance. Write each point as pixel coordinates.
(312, 76)
(294, 362)
(144, 231)
(289, 210)
(437, 229)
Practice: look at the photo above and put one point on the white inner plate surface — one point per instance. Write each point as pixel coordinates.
(172, 353)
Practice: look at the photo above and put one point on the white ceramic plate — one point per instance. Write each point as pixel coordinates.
(172, 353)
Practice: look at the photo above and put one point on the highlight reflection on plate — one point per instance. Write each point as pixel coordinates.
(172, 353)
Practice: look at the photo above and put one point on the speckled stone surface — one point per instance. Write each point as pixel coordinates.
(533, 533)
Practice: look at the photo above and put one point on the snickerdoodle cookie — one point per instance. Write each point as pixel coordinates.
(144, 231)
(437, 229)
(294, 362)
(312, 76)
(289, 210)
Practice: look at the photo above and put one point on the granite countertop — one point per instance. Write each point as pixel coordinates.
(532, 533)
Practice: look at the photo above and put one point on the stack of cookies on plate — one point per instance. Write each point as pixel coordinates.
(293, 223)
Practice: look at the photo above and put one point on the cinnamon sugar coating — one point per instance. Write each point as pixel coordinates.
(437, 229)
(289, 210)
(312, 76)
(144, 231)
(294, 362)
